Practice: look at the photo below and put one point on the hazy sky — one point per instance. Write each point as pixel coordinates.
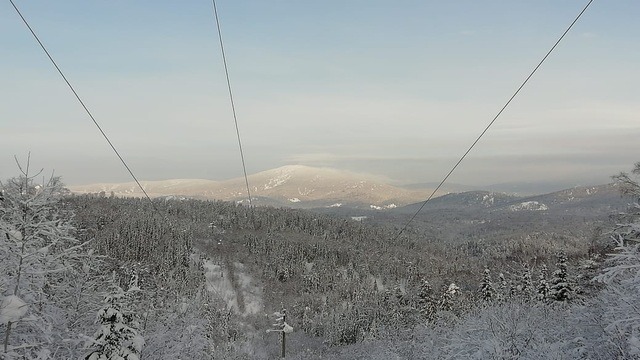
(398, 89)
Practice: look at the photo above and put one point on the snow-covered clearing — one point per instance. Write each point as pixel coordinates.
(245, 298)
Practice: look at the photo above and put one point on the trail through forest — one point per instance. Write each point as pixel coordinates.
(231, 282)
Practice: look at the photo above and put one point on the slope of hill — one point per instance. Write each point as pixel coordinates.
(186, 187)
(294, 186)
(470, 200)
(600, 199)
(522, 188)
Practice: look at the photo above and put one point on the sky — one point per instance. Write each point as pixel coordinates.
(396, 89)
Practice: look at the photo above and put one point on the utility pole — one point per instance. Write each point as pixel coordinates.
(280, 325)
(284, 334)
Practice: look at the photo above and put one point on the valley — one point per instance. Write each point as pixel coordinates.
(210, 271)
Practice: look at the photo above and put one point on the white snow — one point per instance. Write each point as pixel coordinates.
(305, 192)
(219, 283)
(16, 234)
(529, 206)
(294, 200)
(358, 218)
(277, 181)
(452, 289)
(251, 290)
(12, 308)
(287, 328)
(383, 207)
(335, 205)
(488, 200)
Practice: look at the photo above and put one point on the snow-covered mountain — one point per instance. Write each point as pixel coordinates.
(293, 185)
(600, 199)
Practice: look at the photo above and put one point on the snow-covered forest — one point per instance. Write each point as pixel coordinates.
(100, 277)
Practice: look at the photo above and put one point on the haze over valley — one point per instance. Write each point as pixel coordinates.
(298, 186)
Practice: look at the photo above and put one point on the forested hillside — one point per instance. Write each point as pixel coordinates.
(99, 277)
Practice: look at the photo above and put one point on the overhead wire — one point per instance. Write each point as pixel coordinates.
(404, 228)
(236, 119)
(86, 109)
(233, 106)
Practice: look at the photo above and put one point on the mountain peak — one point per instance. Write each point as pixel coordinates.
(290, 185)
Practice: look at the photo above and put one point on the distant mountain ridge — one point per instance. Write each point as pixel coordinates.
(293, 185)
(522, 188)
(299, 186)
(600, 199)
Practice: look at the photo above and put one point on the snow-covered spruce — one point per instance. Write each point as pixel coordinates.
(118, 337)
(561, 289)
(487, 291)
(543, 285)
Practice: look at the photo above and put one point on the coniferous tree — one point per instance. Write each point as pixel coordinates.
(560, 289)
(426, 301)
(486, 287)
(118, 337)
(503, 286)
(525, 288)
(543, 285)
(447, 298)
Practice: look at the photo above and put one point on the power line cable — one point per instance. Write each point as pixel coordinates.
(81, 102)
(492, 121)
(233, 107)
